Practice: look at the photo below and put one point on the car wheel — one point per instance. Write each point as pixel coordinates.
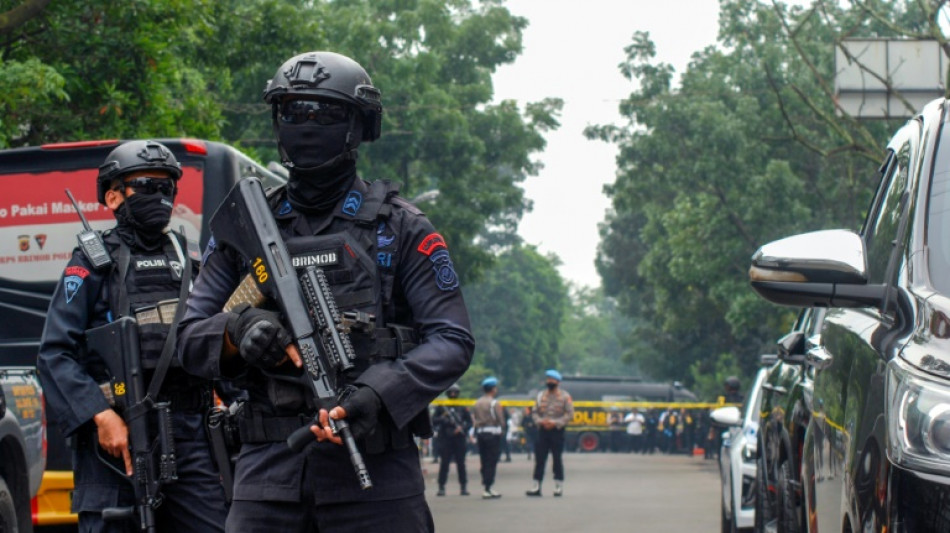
(788, 511)
(588, 442)
(7, 509)
(763, 504)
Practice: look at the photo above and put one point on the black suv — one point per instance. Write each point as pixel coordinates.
(876, 452)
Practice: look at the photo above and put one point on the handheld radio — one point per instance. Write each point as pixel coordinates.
(90, 241)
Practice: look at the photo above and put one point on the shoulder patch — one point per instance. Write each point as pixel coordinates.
(431, 243)
(352, 203)
(445, 276)
(72, 280)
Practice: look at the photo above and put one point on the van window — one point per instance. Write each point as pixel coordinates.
(938, 218)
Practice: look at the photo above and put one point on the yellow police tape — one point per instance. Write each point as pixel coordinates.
(598, 404)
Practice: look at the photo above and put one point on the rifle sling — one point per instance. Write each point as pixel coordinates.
(165, 360)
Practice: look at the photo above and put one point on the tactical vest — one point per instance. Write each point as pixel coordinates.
(138, 283)
(361, 280)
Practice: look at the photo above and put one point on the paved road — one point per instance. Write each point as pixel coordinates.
(604, 493)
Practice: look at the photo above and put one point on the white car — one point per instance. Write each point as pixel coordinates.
(737, 457)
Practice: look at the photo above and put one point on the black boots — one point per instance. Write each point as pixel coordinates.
(535, 489)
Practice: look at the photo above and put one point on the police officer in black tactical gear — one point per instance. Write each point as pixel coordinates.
(138, 181)
(452, 423)
(384, 259)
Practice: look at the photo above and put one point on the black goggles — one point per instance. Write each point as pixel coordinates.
(323, 113)
(148, 185)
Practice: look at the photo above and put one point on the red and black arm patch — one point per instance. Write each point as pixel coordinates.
(431, 243)
(73, 278)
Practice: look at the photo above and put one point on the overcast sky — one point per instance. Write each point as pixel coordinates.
(571, 51)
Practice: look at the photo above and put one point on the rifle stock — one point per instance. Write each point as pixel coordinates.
(244, 222)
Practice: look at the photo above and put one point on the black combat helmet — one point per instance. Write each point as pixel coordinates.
(133, 156)
(453, 390)
(732, 383)
(330, 76)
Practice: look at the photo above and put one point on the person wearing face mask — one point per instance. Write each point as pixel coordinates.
(553, 411)
(388, 268)
(138, 182)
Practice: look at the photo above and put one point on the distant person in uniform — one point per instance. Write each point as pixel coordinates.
(489, 432)
(453, 423)
(530, 428)
(554, 410)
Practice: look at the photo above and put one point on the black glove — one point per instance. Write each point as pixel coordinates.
(362, 406)
(258, 335)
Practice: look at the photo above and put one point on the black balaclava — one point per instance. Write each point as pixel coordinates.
(142, 219)
(323, 161)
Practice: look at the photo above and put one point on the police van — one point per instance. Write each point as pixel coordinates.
(598, 399)
(38, 228)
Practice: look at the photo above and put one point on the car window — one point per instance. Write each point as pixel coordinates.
(938, 218)
(753, 404)
(882, 227)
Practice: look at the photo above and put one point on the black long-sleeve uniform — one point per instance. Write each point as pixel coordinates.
(83, 299)
(383, 256)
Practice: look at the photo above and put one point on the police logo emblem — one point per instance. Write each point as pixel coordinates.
(177, 269)
(71, 284)
(445, 277)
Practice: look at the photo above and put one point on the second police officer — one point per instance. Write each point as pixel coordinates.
(138, 182)
(381, 256)
(452, 423)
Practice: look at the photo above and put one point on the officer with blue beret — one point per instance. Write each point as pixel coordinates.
(489, 420)
(554, 410)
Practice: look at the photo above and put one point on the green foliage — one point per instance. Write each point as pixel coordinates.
(517, 310)
(149, 68)
(748, 148)
(25, 86)
(595, 337)
(123, 73)
(708, 379)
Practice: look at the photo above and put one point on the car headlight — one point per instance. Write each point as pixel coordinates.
(918, 419)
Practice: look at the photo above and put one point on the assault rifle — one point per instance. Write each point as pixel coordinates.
(244, 222)
(455, 418)
(117, 343)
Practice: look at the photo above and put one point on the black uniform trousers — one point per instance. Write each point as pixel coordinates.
(407, 515)
(549, 441)
(192, 504)
(489, 451)
(452, 449)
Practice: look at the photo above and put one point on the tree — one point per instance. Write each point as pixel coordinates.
(594, 335)
(747, 149)
(517, 310)
(122, 68)
(143, 68)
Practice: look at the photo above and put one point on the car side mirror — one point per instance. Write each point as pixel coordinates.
(818, 269)
(727, 416)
